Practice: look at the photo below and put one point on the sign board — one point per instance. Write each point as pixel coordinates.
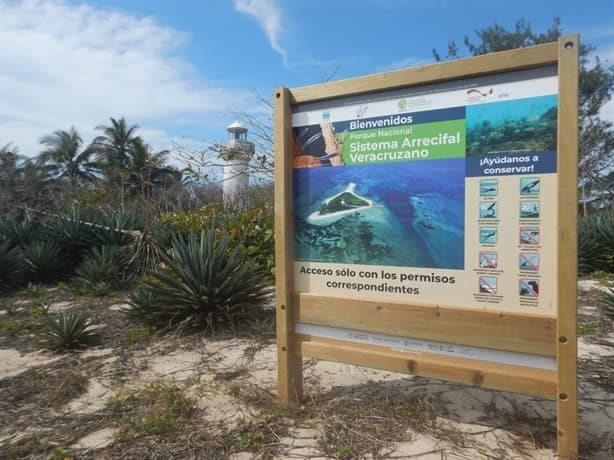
(425, 223)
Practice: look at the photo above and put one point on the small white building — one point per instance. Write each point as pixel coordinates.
(238, 153)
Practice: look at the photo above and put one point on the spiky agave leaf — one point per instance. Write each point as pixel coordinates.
(101, 271)
(43, 260)
(117, 228)
(72, 232)
(10, 263)
(19, 233)
(99, 265)
(201, 282)
(595, 244)
(69, 330)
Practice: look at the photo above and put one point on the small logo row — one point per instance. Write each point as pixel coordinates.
(526, 260)
(527, 235)
(528, 210)
(529, 186)
(526, 287)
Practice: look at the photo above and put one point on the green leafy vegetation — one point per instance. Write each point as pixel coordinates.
(72, 233)
(12, 328)
(115, 227)
(343, 202)
(596, 243)
(68, 331)
(19, 233)
(10, 264)
(596, 136)
(100, 271)
(202, 282)
(139, 334)
(43, 261)
(251, 229)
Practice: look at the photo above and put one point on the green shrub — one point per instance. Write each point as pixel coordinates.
(72, 233)
(102, 270)
(115, 227)
(69, 330)
(202, 282)
(163, 236)
(252, 230)
(10, 264)
(596, 243)
(100, 264)
(43, 260)
(19, 233)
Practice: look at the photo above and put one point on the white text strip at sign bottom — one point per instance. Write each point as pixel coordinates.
(428, 346)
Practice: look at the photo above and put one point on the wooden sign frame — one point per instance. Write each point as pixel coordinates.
(550, 336)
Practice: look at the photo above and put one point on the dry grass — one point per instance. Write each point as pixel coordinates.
(49, 386)
(160, 420)
(158, 409)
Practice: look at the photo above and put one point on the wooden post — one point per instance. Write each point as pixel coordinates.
(567, 402)
(289, 363)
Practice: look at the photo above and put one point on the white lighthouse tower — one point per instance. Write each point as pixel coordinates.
(237, 153)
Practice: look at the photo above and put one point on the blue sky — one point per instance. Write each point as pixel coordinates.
(179, 69)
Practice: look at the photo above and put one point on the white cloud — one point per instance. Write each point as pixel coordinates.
(268, 15)
(63, 65)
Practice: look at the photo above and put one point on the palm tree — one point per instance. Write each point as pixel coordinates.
(63, 158)
(10, 171)
(9, 160)
(114, 145)
(21, 181)
(148, 171)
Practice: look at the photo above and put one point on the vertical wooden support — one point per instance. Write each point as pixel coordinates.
(289, 363)
(567, 402)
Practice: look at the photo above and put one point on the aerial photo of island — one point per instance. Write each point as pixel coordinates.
(521, 125)
(404, 214)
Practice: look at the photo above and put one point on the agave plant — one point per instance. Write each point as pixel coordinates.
(10, 263)
(201, 282)
(117, 228)
(143, 253)
(19, 233)
(101, 270)
(72, 232)
(69, 331)
(43, 260)
(99, 265)
(596, 244)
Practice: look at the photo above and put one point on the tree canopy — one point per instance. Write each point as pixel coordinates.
(596, 135)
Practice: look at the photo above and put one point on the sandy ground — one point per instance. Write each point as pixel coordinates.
(486, 424)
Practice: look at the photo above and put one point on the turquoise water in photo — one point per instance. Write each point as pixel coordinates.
(520, 125)
(416, 218)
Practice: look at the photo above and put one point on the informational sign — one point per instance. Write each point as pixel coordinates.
(425, 223)
(441, 194)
